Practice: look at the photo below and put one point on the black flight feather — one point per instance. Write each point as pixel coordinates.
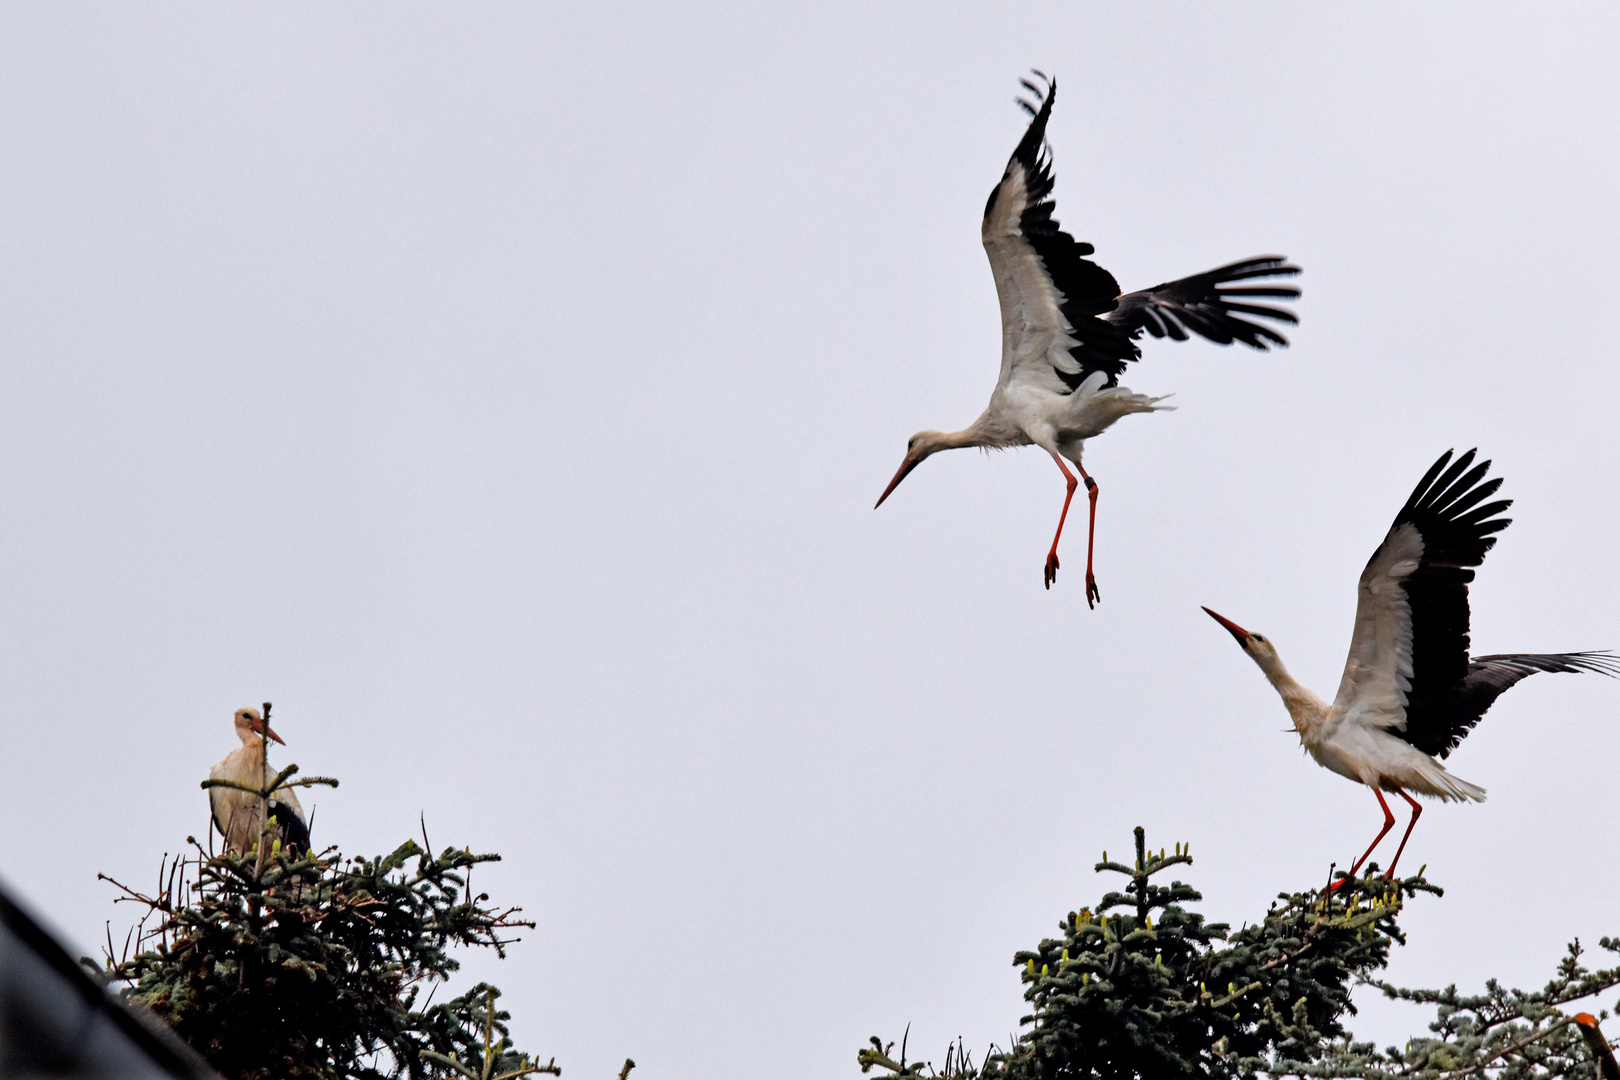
(1450, 692)
(1205, 303)
(1087, 289)
(294, 833)
(1454, 542)
(1106, 324)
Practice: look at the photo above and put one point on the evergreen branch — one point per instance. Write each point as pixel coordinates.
(237, 784)
(274, 785)
(452, 1061)
(1125, 993)
(311, 781)
(1506, 1050)
(879, 1056)
(316, 959)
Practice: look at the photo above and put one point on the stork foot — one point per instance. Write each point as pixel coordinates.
(1051, 567)
(1093, 597)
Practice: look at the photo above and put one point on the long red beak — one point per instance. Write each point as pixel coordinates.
(905, 470)
(260, 728)
(1232, 628)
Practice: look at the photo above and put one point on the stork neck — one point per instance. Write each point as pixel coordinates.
(956, 440)
(990, 429)
(1306, 709)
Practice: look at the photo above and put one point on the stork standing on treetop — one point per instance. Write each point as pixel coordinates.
(1410, 693)
(236, 813)
(1067, 333)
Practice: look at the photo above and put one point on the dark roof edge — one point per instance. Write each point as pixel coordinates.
(152, 1035)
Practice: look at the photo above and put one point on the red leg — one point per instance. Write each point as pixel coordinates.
(1093, 597)
(1051, 556)
(1417, 811)
(1389, 823)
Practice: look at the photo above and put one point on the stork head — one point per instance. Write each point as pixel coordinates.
(250, 726)
(918, 447)
(1260, 650)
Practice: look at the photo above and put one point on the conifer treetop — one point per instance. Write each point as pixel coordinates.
(1143, 986)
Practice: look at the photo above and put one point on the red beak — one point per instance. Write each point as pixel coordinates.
(260, 728)
(905, 469)
(1233, 628)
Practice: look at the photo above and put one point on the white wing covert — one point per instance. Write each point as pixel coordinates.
(1409, 653)
(1050, 293)
(1378, 671)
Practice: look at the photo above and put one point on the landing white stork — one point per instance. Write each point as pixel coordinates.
(236, 813)
(1067, 333)
(1410, 693)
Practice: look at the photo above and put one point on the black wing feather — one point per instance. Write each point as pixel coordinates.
(1204, 303)
(1457, 532)
(1490, 676)
(294, 832)
(1088, 290)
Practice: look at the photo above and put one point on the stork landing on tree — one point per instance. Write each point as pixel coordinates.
(1067, 333)
(1410, 693)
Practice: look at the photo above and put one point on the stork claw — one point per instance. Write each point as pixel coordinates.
(1051, 568)
(1093, 597)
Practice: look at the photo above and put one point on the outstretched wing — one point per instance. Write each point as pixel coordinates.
(1409, 653)
(1051, 294)
(1487, 679)
(1209, 305)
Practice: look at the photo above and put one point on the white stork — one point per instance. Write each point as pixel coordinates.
(1410, 693)
(236, 812)
(1067, 333)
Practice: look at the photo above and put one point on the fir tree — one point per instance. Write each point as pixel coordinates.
(1144, 987)
(311, 965)
(277, 963)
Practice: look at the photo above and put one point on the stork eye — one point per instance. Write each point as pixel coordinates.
(1260, 639)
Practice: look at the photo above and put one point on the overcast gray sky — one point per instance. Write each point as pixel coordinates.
(503, 391)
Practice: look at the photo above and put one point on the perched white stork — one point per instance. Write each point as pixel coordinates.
(1410, 693)
(235, 812)
(1067, 333)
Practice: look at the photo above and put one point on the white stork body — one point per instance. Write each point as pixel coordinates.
(1067, 333)
(1410, 693)
(236, 813)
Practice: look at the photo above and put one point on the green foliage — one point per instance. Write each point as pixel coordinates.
(1521, 1034)
(308, 965)
(1144, 987)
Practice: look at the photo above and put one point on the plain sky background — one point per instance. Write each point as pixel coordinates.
(503, 391)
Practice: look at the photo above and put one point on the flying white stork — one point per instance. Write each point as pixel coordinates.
(1410, 693)
(236, 813)
(1067, 333)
